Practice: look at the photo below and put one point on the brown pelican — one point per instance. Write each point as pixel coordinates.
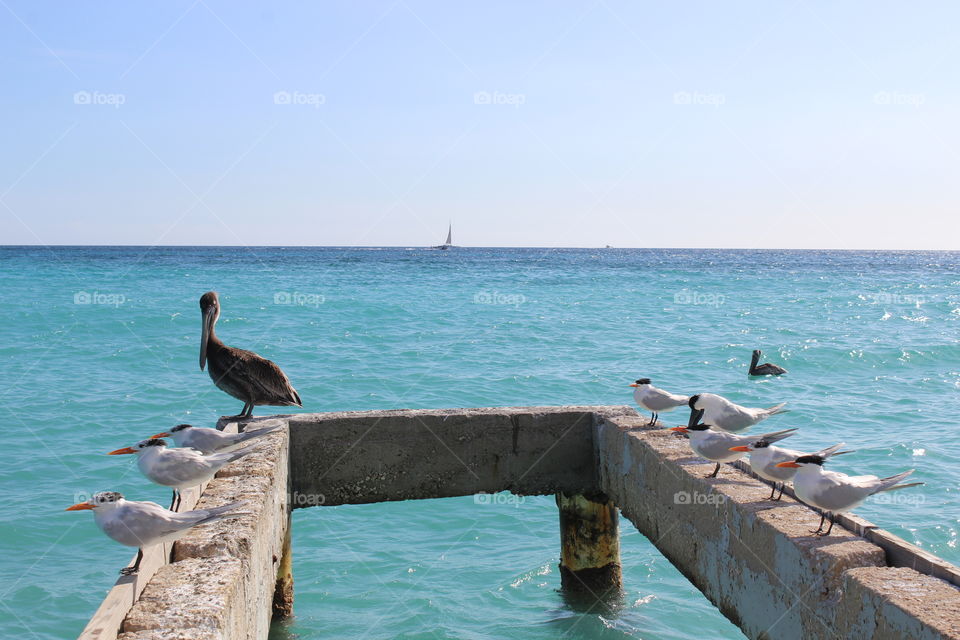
(243, 374)
(765, 369)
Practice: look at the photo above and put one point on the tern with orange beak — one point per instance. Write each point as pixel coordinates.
(764, 458)
(718, 446)
(655, 400)
(212, 440)
(243, 374)
(833, 492)
(144, 524)
(725, 415)
(179, 468)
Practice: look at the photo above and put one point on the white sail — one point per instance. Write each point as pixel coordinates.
(449, 235)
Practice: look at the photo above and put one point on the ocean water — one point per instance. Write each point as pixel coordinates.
(99, 348)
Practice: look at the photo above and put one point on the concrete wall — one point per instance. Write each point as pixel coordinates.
(754, 559)
(220, 585)
(373, 456)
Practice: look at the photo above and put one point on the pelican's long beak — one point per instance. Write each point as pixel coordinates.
(120, 452)
(80, 506)
(788, 464)
(679, 429)
(162, 434)
(209, 316)
(634, 384)
(745, 449)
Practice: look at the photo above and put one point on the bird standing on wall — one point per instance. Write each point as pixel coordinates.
(833, 492)
(764, 458)
(765, 369)
(179, 468)
(723, 414)
(144, 524)
(719, 446)
(243, 374)
(212, 440)
(655, 400)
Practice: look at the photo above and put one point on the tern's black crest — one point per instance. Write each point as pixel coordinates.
(693, 401)
(103, 497)
(698, 427)
(643, 381)
(810, 460)
(181, 427)
(761, 444)
(154, 442)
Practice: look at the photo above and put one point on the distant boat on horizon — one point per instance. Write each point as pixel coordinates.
(449, 242)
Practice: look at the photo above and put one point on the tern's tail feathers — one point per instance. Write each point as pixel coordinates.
(774, 410)
(239, 453)
(219, 513)
(776, 436)
(832, 451)
(890, 484)
(250, 435)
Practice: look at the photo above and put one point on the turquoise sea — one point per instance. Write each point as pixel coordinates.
(99, 348)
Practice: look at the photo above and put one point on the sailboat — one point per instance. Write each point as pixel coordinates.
(449, 243)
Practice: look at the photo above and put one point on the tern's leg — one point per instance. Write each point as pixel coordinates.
(129, 571)
(783, 485)
(829, 529)
(173, 500)
(773, 491)
(715, 472)
(651, 420)
(820, 528)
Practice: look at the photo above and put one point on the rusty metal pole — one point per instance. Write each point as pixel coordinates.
(589, 544)
(283, 591)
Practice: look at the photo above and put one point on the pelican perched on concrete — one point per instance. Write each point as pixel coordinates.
(243, 374)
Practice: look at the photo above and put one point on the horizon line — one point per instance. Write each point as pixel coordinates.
(407, 246)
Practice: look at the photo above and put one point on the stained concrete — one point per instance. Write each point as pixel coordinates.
(754, 559)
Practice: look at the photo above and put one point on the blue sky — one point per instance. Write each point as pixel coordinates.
(698, 124)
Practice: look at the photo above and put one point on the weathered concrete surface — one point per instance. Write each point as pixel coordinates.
(221, 583)
(589, 545)
(754, 559)
(896, 602)
(375, 456)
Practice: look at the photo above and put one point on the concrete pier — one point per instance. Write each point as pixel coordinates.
(754, 559)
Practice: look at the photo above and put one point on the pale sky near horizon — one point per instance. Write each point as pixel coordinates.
(703, 124)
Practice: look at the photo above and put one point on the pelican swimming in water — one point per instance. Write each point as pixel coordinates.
(765, 369)
(243, 374)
